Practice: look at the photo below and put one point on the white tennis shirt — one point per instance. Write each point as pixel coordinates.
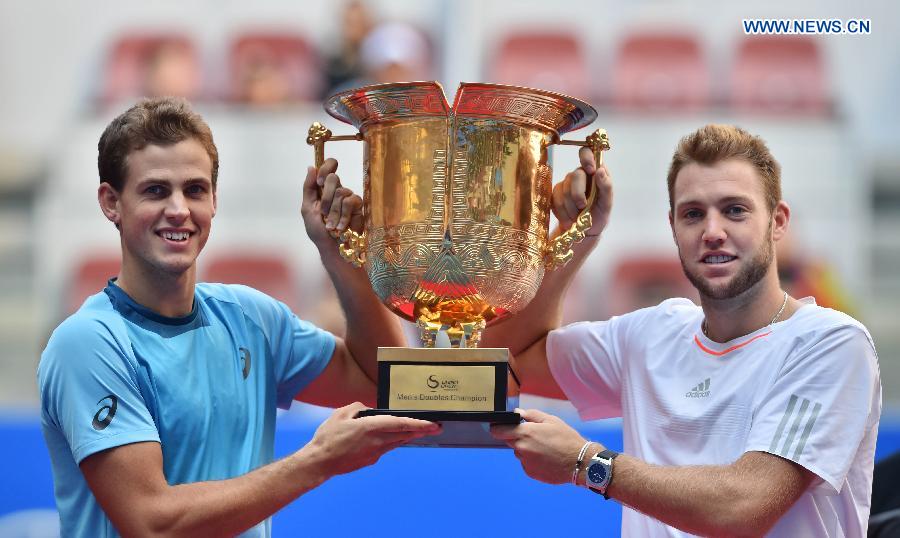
(807, 389)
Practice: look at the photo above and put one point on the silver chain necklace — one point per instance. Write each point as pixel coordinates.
(774, 319)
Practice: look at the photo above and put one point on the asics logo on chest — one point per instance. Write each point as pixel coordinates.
(245, 361)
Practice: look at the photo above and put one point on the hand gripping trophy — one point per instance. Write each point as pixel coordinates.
(456, 202)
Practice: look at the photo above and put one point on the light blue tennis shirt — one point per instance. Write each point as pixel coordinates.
(204, 386)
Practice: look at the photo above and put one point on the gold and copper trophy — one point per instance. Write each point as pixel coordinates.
(456, 203)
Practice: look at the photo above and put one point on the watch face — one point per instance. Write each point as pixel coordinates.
(596, 473)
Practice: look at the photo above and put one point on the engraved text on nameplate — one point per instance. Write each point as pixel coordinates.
(442, 388)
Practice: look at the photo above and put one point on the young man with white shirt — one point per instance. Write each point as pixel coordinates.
(752, 413)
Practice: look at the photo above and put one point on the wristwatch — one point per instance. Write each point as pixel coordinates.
(599, 472)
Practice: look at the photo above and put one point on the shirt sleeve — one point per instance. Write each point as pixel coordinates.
(821, 405)
(300, 350)
(308, 353)
(586, 362)
(89, 390)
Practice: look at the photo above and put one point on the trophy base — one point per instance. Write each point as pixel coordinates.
(461, 429)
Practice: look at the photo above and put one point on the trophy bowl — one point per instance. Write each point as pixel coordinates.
(456, 200)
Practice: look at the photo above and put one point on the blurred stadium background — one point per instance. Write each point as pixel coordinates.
(258, 71)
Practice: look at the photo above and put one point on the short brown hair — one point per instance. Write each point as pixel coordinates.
(161, 121)
(714, 143)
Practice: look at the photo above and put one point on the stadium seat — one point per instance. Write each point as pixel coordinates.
(151, 65)
(644, 281)
(89, 277)
(269, 273)
(660, 72)
(779, 74)
(273, 68)
(543, 60)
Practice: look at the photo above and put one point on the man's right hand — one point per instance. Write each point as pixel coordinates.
(544, 444)
(328, 206)
(346, 443)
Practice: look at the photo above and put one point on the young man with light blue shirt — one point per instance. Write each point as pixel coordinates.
(159, 395)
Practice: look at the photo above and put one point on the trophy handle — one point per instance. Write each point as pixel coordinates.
(352, 245)
(560, 249)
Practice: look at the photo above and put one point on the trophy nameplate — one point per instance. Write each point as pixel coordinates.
(466, 390)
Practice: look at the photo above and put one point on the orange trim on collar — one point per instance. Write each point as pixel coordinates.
(729, 350)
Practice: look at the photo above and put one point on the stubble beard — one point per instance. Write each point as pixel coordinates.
(747, 277)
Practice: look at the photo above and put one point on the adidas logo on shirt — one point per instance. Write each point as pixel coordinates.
(795, 427)
(700, 391)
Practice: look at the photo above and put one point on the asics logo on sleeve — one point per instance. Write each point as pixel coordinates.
(245, 361)
(108, 412)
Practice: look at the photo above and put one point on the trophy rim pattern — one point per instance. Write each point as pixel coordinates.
(588, 112)
(335, 102)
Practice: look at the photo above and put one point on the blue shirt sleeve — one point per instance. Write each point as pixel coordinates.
(300, 350)
(89, 389)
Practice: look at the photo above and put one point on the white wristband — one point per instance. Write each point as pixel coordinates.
(578, 462)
